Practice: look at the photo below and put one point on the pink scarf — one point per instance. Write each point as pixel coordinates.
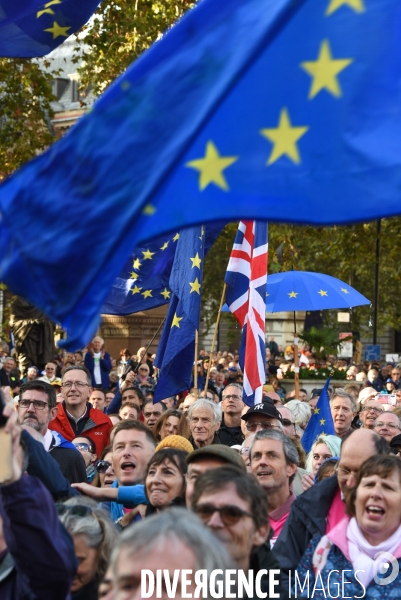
(362, 554)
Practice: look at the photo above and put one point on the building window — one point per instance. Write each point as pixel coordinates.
(59, 86)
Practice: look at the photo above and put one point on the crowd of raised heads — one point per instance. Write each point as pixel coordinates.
(103, 483)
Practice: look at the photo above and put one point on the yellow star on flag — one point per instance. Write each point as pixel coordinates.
(45, 11)
(58, 31)
(149, 210)
(345, 290)
(324, 71)
(148, 254)
(165, 245)
(316, 411)
(356, 5)
(135, 289)
(176, 237)
(165, 293)
(293, 294)
(147, 294)
(136, 264)
(284, 137)
(176, 321)
(196, 261)
(322, 421)
(322, 293)
(195, 286)
(134, 275)
(211, 167)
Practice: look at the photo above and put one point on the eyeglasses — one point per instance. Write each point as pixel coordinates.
(230, 515)
(232, 397)
(37, 404)
(263, 425)
(78, 384)
(373, 408)
(83, 446)
(346, 472)
(287, 422)
(102, 466)
(78, 510)
(389, 425)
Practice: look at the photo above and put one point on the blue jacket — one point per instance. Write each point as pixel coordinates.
(129, 496)
(42, 552)
(105, 368)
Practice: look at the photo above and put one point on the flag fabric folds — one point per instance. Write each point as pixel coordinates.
(176, 351)
(31, 28)
(144, 281)
(278, 111)
(321, 420)
(246, 298)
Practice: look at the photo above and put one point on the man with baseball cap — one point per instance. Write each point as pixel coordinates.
(210, 457)
(263, 416)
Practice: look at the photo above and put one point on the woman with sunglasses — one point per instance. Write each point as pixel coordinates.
(94, 537)
(143, 381)
(172, 422)
(105, 476)
(87, 449)
(165, 480)
(365, 545)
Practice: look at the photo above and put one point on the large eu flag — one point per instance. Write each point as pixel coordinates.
(321, 420)
(30, 28)
(247, 109)
(176, 352)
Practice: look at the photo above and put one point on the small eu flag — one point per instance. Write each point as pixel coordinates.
(321, 420)
(176, 351)
(30, 28)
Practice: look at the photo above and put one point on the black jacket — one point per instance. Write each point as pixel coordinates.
(308, 517)
(230, 436)
(71, 464)
(216, 440)
(265, 558)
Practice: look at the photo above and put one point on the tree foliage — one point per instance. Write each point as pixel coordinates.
(119, 32)
(25, 112)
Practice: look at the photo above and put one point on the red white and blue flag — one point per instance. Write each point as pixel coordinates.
(246, 278)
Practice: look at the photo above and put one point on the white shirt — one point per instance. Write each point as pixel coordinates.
(96, 372)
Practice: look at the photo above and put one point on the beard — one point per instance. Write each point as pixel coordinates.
(32, 422)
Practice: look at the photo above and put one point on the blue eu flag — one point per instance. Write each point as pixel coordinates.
(247, 109)
(30, 28)
(144, 281)
(321, 420)
(176, 351)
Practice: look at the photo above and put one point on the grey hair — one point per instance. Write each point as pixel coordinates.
(234, 384)
(97, 528)
(290, 450)
(208, 404)
(300, 410)
(341, 393)
(79, 368)
(97, 337)
(173, 525)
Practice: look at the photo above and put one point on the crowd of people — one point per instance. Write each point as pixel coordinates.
(104, 483)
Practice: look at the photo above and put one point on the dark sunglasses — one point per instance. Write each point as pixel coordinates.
(230, 515)
(77, 510)
(102, 466)
(83, 446)
(287, 422)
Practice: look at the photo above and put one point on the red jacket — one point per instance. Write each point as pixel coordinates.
(97, 427)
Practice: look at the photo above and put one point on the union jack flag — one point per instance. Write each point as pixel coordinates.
(246, 298)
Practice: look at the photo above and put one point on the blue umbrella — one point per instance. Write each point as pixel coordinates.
(304, 290)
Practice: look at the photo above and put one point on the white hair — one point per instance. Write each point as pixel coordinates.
(209, 405)
(300, 410)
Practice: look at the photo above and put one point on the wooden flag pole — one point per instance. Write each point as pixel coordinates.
(196, 364)
(223, 296)
(296, 361)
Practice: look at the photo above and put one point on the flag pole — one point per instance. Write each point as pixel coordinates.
(196, 364)
(223, 295)
(296, 361)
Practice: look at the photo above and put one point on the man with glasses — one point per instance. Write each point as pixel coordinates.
(234, 507)
(76, 416)
(230, 432)
(37, 407)
(387, 425)
(262, 416)
(50, 373)
(369, 413)
(321, 507)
